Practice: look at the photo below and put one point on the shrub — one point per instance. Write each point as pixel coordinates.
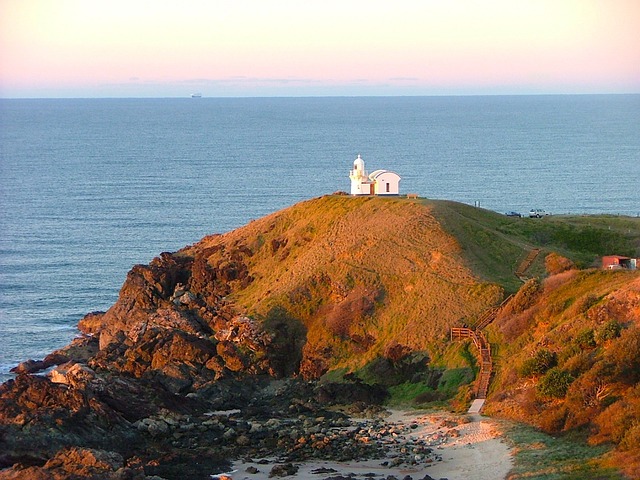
(631, 438)
(288, 337)
(453, 378)
(429, 396)
(357, 305)
(555, 383)
(586, 339)
(396, 352)
(579, 363)
(552, 420)
(540, 363)
(587, 396)
(555, 264)
(583, 304)
(525, 298)
(516, 325)
(609, 331)
(624, 354)
(613, 422)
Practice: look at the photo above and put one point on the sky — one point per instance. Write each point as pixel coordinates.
(231, 48)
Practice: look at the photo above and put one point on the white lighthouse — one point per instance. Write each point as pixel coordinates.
(360, 183)
(380, 182)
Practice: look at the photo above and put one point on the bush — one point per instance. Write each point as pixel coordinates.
(396, 352)
(552, 420)
(612, 424)
(540, 363)
(609, 331)
(359, 304)
(288, 337)
(583, 304)
(555, 383)
(586, 339)
(580, 363)
(429, 396)
(453, 378)
(516, 325)
(631, 438)
(525, 298)
(555, 264)
(624, 354)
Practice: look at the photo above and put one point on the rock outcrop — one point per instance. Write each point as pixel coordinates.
(136, 394)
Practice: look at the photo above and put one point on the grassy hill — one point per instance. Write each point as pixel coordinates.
(373, 285)
(366, 273)
(495, 244)
(359, 273)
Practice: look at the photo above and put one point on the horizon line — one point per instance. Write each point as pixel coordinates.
(188, 96)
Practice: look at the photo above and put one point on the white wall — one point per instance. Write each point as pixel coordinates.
(390, 178)
(358, 188)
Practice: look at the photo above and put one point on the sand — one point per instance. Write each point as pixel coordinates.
(466, 447)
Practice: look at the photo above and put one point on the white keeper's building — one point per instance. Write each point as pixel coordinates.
(379, 182)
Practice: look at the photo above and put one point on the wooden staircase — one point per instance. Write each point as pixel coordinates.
(490, 315)
(483, 346)
(478, 338)
(484, 357)
(526, 263)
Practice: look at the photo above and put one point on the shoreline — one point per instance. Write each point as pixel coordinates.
(464, 446)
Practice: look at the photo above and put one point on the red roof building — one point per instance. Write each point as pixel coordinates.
(614, 262)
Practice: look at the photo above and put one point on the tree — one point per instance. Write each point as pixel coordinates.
(540, 363)
(555, 383)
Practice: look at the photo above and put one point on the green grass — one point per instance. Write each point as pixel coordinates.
(581, 238)
(491, 254)
(453, 378)
(538, 456)
(405, 393)
(494, 245)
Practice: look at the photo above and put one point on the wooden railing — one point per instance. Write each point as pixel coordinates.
(490, 315)
(478, 338)
(484, 356)
(526, 263)
(483, 346)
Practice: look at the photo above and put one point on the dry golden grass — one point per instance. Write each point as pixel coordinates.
(310, 258)
(365, 273)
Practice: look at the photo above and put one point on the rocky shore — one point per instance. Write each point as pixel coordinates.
(81, 423)
(283, 431)
(172, 380)
(88, 427)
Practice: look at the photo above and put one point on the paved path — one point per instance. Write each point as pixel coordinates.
(476, 405)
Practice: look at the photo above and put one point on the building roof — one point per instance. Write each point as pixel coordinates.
(377, 173)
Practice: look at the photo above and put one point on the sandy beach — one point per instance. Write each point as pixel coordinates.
(462, 447)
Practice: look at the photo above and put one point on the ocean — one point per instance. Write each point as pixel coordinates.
(90, 187)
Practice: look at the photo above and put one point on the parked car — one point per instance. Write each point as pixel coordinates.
(513, 214)
(538, 213)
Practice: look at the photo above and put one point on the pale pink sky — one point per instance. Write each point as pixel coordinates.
(150, 48)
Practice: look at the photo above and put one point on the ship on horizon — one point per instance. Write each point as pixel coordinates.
(196, 95)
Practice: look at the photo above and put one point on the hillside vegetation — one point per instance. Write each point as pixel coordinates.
(568, 357)
(373, 285)
(369, 274)
(361, 274)
(359, 294)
